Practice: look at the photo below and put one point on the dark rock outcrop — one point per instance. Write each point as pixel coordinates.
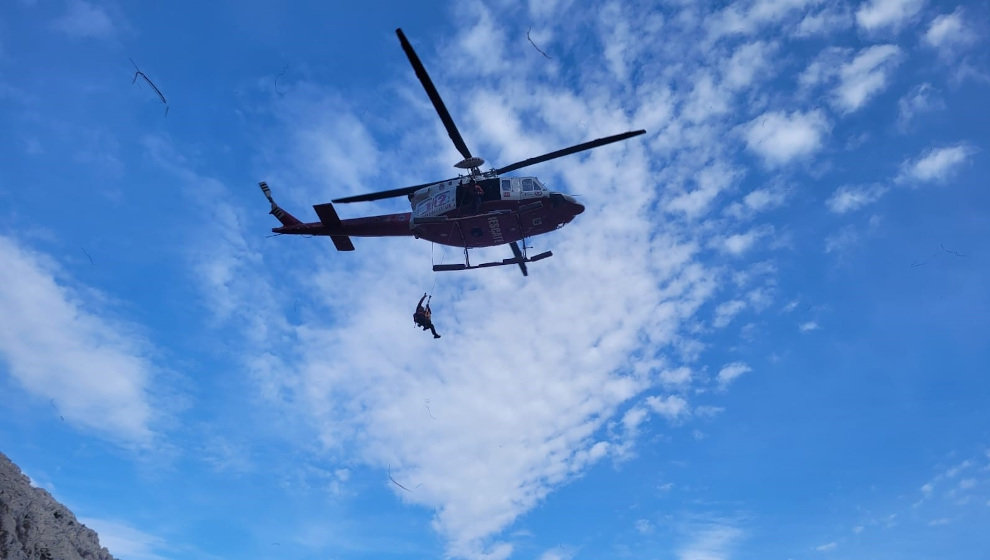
(33, 526)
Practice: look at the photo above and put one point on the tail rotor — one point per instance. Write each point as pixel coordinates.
(282, 216)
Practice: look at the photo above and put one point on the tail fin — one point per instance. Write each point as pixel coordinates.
(282, 216)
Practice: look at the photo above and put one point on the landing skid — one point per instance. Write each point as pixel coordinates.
(520, 259)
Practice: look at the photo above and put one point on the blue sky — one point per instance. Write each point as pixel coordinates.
(764, 338)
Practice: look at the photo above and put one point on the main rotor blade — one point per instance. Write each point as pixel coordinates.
(431, 91)
(383, 194)
(568, 151)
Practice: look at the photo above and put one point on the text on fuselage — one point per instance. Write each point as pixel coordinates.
(496, 229)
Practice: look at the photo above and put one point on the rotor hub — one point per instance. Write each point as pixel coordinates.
(470, 163)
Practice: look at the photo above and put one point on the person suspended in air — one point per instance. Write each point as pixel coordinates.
(423, 317)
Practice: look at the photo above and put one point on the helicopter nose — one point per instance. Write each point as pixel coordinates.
(560, 199)
(577, 206)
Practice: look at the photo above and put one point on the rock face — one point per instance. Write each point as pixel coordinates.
(33, 526)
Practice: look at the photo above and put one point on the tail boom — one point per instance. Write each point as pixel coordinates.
(339, 231)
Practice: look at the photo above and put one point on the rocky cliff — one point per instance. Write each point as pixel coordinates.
(33, 526)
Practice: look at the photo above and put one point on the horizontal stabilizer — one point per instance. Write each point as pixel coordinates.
(342, 242)
(328, 217)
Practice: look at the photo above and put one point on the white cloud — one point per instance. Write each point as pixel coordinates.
(710, 541)
(763, 199)
(738, 244)
(829, 20)
(954, 471)
(707, 99)
(543, 9)
(726, 311)
(124, 541)
(865, 76)
(760, 298)
(671, 407)
(849, 198)
(632, 419)
(619, 40)
(749, 62)
(842, 240)
(58, 347)
(824, 68)
(229, 270)
(710, 181)
(657, 108)
(328, 141)
(971, 474)
(855, 78)
(678, 377)
(484, 45)
(936, 165)
(558, 553)
(950, 31)
(875, 15)
(780, 137)
(620, 32)
(83, 19)
(759, 200)
(748, 17)
(827, 546)
(921, 99)
(809, 326)
(730, 372)
(643, 526)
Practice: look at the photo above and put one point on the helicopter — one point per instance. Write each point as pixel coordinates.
(475, 209)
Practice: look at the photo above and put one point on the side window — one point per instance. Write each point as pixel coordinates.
(506, 185)
(528, 185)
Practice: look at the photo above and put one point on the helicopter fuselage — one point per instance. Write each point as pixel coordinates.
(454, 213)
